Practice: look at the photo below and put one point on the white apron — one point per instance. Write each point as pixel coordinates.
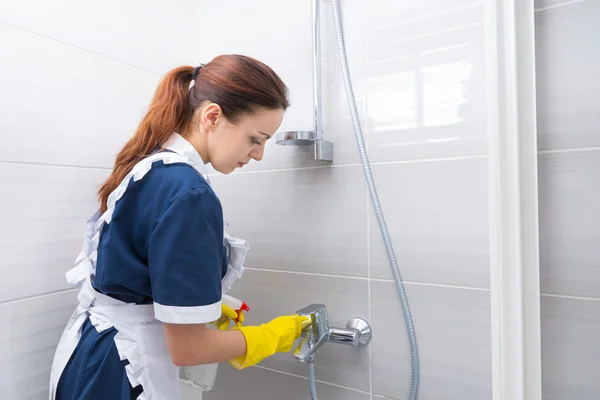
(140, 338)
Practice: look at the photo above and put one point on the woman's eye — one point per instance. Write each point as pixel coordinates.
(255, 141)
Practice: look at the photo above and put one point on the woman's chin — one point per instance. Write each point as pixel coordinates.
(225, 170)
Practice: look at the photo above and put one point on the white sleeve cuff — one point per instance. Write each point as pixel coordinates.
(187, 314)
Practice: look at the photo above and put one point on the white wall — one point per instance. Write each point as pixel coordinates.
(77, 76)
(568, 91)
(75, 79)
(419, 77)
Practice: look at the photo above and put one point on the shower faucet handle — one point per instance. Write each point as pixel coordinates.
(317, 314)
(356, 333)
(315, 334)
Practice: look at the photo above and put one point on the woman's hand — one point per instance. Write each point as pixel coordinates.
(194, 344)
(229, 315)
(267, 339)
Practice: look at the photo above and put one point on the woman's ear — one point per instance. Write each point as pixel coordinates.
(211, 116)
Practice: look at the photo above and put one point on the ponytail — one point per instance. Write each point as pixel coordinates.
(169, 112)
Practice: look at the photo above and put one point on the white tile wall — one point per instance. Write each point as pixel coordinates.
(73, 108)
(260, 384)
(316, 223)
(570, 352)
(29, 333)
(453, 337)
(418, 74)
(76, 78)
(569, 221)
(425, 82)
(152, 34)
(568, 79)
(275, 32)
(437, 219)
(43, 209)
(76, 83)
(567, 58)
(45, 102)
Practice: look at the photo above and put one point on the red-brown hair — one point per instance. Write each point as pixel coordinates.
(238, 84)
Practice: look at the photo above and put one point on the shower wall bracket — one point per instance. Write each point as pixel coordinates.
(323, 150)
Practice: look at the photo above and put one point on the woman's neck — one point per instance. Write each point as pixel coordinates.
(198, 140)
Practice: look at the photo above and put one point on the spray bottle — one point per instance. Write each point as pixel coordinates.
(236, 305)
(203, 376)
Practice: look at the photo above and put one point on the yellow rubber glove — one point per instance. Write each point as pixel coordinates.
(228, 315)
(273, 337)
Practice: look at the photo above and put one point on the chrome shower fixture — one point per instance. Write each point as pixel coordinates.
(323, 149)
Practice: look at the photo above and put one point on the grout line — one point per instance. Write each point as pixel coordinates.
(54, 165)
(440, 285)
(237, 172)
(558, 151)
(36, 296)
(305, 378)
(561, 296)
(416, 161)
(442, 49)
(423, 36)
(308, 273)
(426, 19)
(80, 48)
(426, 160)
(280, 372)
(360, 278)
(369, 291)
(565, 3)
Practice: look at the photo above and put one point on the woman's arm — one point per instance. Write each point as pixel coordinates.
(195, 344)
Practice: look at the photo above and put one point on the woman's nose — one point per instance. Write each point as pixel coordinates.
(258, 153)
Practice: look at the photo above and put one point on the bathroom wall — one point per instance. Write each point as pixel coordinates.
(419, 78)
(75, 79)
(568, 92)
(77, 76)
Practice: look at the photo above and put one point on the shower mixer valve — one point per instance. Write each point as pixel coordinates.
(356, 333)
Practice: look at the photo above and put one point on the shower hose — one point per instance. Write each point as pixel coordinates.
(414, 384)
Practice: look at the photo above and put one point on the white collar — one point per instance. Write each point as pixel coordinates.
(179, 145)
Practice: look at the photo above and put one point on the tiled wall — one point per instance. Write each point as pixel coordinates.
(568, 82)
(74, 87)
(75, 79)
(419, 77)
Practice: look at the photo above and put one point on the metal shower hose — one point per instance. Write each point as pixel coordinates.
(414, 355)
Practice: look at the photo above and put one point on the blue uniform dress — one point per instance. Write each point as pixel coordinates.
(163, 246)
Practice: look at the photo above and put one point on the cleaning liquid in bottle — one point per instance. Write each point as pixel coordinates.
(235, 304)
(203, 377)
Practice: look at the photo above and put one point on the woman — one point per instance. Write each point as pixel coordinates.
(156, 260)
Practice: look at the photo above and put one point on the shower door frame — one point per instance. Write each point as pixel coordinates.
(513, 199)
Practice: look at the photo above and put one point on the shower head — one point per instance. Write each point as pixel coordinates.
(297, 138)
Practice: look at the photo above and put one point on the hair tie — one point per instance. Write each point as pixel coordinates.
(195, 73)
